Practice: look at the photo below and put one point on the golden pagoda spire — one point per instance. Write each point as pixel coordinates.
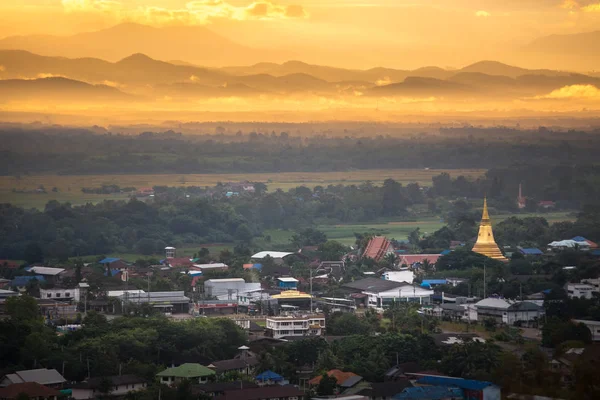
(486, 244)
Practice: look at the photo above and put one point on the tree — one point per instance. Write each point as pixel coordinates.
(332, 250)
(243, 233)
(145, 246)
(347, 324)
(308, 237)
(327, 385)
(105, 386)
(23, 308)
(33, 253)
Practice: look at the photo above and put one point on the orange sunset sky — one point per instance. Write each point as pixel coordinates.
(350, 33)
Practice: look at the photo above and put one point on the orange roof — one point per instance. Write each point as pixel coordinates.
(31, 389)
(377, 247)
(247, 266)
(410, 259)
(341, 377)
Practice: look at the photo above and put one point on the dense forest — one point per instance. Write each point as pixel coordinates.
(81, 151)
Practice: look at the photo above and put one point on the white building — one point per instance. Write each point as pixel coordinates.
(119, 386)
(579, 290)
(60, 294)
(381, 293)
(304, 325)
(593, 326)
(507, 311)
(399, 276)
(226, 289)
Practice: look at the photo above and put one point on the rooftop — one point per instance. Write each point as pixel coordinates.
(42, 375)
(46, 270)
(188, 370)
(429, 393)
(468, 384)
(376, 247)
(287, 279)
(272, 254)
(33, 390)
(267, 392)
(374, 285)
(491, 302)
(344, 379)
(94, 383)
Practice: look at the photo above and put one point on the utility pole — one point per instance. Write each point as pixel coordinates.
(521, 291)
(311, 291)
(484, 281)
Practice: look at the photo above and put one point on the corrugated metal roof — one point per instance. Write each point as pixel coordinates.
(429, 393)
(46, 270)
(42, 376)
(469, 384)
(108, 260)
(272, 254)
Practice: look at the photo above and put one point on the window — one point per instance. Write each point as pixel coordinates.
(165, 379)
(57, 294)
(49, 295)
(67, 294)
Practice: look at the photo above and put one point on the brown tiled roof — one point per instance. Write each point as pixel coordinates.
(267, 392)
(341, 377)
(410, 259)
(31, 389)
(376, 248)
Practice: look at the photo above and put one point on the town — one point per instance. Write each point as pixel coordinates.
(294, 325)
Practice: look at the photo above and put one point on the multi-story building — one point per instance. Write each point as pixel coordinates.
(301, 325)
(578, 290)
(59, 293)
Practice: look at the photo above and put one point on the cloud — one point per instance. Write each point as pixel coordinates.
(569, 4)
(573, 91)
(383, 81)
(2, 68)
(482, 13)
(592, 8)
(193, 13)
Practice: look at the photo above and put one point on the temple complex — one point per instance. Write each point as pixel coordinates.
(486, 244)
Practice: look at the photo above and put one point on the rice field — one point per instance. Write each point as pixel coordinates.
(21, 190)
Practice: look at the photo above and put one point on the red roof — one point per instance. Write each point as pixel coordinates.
(377, 247)
(410, 259)
(340, 376)
(31, 389)
(9, 264)
(267, 392)
(179, 262)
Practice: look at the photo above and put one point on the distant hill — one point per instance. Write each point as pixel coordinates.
(576, 51)
(195, 44)
(57, 89)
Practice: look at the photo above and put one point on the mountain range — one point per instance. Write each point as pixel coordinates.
(138, 77)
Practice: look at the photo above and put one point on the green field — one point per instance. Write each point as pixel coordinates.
(69, 186)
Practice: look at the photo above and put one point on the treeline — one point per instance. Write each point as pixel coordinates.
(80, 151)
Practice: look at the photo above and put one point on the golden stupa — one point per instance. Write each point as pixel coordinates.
(486, 244)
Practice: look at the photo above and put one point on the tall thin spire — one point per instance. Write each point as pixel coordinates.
(485, 217)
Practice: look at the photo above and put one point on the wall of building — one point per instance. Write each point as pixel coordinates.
(84, 394)
(60, 294)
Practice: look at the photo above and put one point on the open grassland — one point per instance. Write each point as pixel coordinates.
(69, 186)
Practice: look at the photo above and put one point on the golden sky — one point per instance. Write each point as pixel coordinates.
(454, 32)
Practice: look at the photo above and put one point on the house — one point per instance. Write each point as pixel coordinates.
(21, 282)
(219, 388)
(9, 264)
(119, 386)
(454, 282)
(194, 372)
(589, 243)
(580, 290)
(277, 256)
(430, 393)
(471, 389)
(268, 378)
(264, 393)
(305, 325)
(417, 260)
(51, 274)
(58, 293)
(507, 312)
(227, 289)
(345, 380)
(43, 376)
(209, 267)
(397, 372)
(568, 244)
(431, 283)
(287, 283)
(399, 276)
(530, 251)
(380, 293)
(377, 248)
(593, 326)
(32, 390)
(244, 367)
(168, 302)
(448, 339)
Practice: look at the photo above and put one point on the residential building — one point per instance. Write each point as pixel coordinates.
(560, 245)
(287, 283)
(305, 325)
(580, 290)
(530, 251)
(239, 365)
(49, 273)
(508, 312)
(193, 372)
(20, 283)
(344, 380)
(593, 326)
(589, 243)
(219, 388)
(277, 392)
(277, 256)
(58, 293)
(119, 386)
(380, 293)
(471, 389)
(454, 282)
(32, 390)
(209, 267)
(43, 376)
(168, 302)
(430, 393)
(417, 260)
(399, 276)
(228, 289)
(377, 248)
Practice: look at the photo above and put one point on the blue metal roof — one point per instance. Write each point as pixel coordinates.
(595, 252)
(24, 280)
(429, 393)
(469, 384)
(108, 260)
(434, 282)
(446, 252)
(269, 376)
(113, 272)
(532, 252)
(579, 239)
(257, 266)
